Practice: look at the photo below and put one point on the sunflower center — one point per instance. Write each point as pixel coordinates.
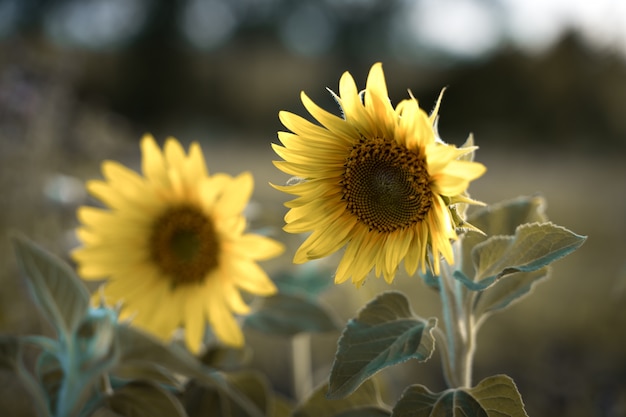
(184, 245)
(385, 185)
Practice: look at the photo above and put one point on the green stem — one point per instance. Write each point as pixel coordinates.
(460, 330)
(70, 388)
(301, 365)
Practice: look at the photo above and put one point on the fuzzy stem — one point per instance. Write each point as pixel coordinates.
(460, 330)
(301, 365)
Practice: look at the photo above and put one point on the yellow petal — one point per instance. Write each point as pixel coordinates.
(236, 196)
(153, 163)
(256, 247)
(250, 277)
(223, 323)
(194, 318)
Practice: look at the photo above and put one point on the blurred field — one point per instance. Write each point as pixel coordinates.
(564, 346)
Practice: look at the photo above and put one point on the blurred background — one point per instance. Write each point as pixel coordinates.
(540, 83)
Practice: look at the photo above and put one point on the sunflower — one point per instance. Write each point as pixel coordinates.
(378, 180)
(172, 244)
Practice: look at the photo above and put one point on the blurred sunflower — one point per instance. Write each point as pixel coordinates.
(379, 180)
(172, 245)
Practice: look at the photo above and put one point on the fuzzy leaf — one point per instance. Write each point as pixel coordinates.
(290, 314)
(201, 400)
(365, 401)
(226, 358)
(504, 217)
(507, 291)
(139, 347)
(57, 291)
(385, 332)
(147, 371)
(533, 247)
(496, 396)
(282, 407)
(142, 347)
(309, 280)
(143, 398)
(254, 386)
(365, 412)
(9, 351)
(500, 219)
(105, 412)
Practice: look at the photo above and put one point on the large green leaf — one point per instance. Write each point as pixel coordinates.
(364, 402)
(200, 400)
(56, 290)
(504, 217)
(385, 332)
(254, 386)
(309, 280)
(290, 314)
(500, 219)
(496, 396)
(507, 291)
(226, 358)
(146, 371)
(144, 399)
(532, 247)
(9, 351)
(138, 347)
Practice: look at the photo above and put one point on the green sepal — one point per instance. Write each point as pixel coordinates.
(365, 401)
(384, 333)
(55, 288)
(290, 314)
(496, 396)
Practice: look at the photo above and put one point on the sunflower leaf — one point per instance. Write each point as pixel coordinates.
(385, 332)
(9, 351)
(137, 346)
(504, 217)
(202, 400)
(290, 314)
(144, 398)
(533, 247)
(254, 386)
(56, 290)
(500, 219)
(147, 371)
(365, 401)
(507, 291)
(496, 396)
(310, 280)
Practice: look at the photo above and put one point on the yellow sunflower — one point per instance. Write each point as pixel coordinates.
(378, 180)
(172, 244)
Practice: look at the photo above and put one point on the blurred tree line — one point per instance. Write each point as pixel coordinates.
(568, 96)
